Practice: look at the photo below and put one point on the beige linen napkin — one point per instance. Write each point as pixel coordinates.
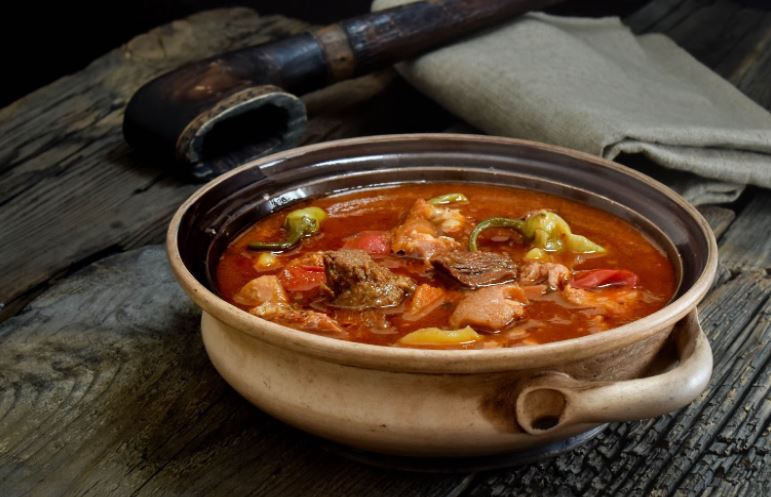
(590, 84)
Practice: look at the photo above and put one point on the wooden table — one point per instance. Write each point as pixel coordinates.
(105, 388)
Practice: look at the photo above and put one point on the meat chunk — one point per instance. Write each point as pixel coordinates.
(425, 299)
(295, 317)
(266, 288)
(423, 232)
(372, 321)
(490, 308)
(536, 273)
(606, 301)
(445, 219)
(476, 269)
(358, 282)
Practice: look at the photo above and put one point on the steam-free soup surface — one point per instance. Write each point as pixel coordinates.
(395, 266)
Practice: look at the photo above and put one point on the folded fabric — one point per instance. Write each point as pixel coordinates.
(591, 85)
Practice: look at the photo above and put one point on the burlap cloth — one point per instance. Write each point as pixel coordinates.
(591, 85)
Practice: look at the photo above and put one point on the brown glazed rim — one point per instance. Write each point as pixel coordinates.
(445, 361)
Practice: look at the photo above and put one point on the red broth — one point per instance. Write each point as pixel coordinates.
(549, 315)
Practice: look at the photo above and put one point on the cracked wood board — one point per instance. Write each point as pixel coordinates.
(747, 243)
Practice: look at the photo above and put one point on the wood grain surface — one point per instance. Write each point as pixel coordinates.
(104, 386)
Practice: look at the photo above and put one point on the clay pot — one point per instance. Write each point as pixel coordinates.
(449, 402)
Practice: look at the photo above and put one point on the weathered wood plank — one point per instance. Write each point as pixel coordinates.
(70, 189)
(747, 244)
(668, 454)
(740, 454)
(650, 17)
(105, 390)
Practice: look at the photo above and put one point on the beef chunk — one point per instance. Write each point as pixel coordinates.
(476, 269)
(358, 282)
(491, 308)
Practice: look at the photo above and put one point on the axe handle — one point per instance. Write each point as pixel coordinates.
(213, 114)
(382, 38)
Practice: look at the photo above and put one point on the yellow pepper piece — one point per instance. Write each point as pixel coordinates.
(438, 336)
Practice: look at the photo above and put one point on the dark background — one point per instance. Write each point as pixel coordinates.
(41, 41)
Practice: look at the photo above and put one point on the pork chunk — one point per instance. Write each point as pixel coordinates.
(294, 317)
(266, 288)
(606, 301)
(423, 232)
(537, 273)
(358, 282)
(490, 308)
(476, 269)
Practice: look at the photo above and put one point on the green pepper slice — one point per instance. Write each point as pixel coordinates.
(449, 198)
(546, 231)
(298, 224)
(493, 222)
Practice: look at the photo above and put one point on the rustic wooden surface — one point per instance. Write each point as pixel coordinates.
(104, 385)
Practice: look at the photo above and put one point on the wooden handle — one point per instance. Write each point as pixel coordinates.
(388, 36)
(216, 113)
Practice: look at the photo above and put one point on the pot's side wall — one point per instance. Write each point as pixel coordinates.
(632, 361)
(414, 414)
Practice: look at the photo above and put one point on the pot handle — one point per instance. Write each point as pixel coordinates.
(555, 400)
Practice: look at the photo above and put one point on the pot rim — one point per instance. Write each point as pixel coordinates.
(400, 359)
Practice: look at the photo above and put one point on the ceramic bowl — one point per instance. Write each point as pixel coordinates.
(449, 402)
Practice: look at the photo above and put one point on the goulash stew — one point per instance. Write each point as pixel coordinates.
(446, 266)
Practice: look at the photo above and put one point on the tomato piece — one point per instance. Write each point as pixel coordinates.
(373, 242)
(598, 278)
(302, 278)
